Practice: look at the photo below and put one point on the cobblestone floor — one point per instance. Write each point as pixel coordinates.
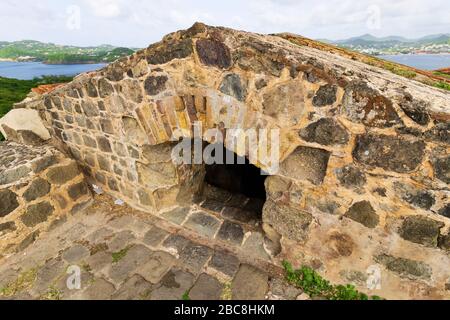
(204, 252)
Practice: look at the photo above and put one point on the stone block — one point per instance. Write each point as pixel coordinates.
(206, 288)
(214, 53)
(9, 202)
(389, 152)
(232, 85)
(23, 120)
(37, 189)
(326, 132)
(62, 174)
(325, 96)
(204, 224)
(421, 230)
(78, 190)
(250, 284)
(363, 212)
(405, 267)
(14, 174)
(104, 144)
(163, 54)
(287, 221)
(37, 213)
(154, 85)
(306, 164)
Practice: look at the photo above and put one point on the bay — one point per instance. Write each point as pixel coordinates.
(421, 61)
(31, 70)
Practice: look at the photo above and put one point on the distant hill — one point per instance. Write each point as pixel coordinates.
(29, 50)
(438, 43)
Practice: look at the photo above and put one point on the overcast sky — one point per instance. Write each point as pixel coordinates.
(137, 23)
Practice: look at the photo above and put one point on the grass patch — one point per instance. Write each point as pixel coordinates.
(442, 85)
(186, 297)
(53, 294)
(403, 72)
(442, 74)
(23, 282)
(117, 256)
(314, 285)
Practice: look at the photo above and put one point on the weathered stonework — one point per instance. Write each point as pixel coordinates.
(364, 163)
(34, 192)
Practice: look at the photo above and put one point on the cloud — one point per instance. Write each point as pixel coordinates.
(105, 8)
(140, 22)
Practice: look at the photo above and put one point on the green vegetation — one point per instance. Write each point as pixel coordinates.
(117, 256)
(315, 286)
(442, 74)
(23, 282)
(392, 67)
(403, 72)
(13, 90)
(56, 54)
(227, 293)
(53, 294)
(442, 85)
(185, 296)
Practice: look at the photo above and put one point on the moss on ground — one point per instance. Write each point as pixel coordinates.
(23, 282)
(117, 256)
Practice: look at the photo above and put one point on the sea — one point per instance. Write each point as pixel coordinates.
(31, 70)
(421, 61)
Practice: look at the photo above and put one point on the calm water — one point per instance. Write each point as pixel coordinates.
(422, 61)
(30, 70)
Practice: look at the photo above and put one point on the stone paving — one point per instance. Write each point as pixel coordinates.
(119, 253)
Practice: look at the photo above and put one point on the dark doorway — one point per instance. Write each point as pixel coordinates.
(245, 179)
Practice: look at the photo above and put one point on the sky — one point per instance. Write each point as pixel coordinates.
(138, 23)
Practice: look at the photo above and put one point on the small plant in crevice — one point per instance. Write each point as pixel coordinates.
(117, 256)
(52, 294)
(227, 293)
(186, 297)
(313, 284)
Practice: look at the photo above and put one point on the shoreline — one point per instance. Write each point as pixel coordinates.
(414, 54)
(53, 64)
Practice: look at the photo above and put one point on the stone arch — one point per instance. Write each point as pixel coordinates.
(178, 117)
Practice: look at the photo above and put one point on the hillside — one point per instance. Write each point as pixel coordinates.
(56, 54)
(13, 90)
(439, 43)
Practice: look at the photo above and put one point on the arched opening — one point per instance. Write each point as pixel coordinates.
(238, 177)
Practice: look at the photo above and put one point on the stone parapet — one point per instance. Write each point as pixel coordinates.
(38, 187)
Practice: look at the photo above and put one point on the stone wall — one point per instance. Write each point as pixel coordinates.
(38, 187)
(365, 154)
